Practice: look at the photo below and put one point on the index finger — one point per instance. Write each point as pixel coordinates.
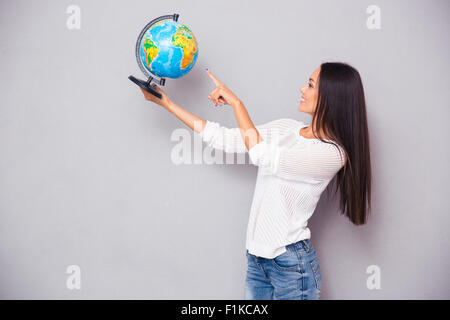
(216, 81)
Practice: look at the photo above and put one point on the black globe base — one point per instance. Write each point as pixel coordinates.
(146, 86)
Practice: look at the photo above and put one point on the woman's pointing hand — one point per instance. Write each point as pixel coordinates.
(221, 94)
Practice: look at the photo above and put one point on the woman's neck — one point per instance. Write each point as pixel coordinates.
(307, 132)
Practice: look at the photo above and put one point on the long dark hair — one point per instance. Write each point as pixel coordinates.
(341, 114)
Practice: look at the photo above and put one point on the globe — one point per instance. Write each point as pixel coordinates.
(168, 49)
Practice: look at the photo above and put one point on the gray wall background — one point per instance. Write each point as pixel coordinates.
(85, 167)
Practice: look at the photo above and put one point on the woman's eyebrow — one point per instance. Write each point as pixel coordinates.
(311, 80)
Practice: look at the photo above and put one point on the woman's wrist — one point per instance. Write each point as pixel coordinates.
(169, 105)
(237, 104)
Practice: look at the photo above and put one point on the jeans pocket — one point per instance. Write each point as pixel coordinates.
(316, 271)
(287, 261)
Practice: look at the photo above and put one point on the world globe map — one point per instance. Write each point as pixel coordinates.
(168, 49)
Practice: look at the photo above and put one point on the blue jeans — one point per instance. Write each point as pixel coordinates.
(293, 275)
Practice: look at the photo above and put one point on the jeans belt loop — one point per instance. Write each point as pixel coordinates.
(305, 246)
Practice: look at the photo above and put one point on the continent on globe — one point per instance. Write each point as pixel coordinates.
(151, 51)
(188, 44)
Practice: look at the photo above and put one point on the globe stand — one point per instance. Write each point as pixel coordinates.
(146, 84)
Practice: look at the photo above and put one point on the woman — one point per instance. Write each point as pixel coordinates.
(295, 163)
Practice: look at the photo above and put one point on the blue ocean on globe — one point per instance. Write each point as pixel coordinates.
(168, 49)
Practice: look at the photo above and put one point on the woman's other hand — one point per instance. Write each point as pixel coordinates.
(163, 102)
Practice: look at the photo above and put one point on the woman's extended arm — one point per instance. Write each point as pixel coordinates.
(221, 93)
(191, 120)
(250, 135)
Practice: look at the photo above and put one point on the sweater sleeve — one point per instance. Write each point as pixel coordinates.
(320, 161)
(230, 140)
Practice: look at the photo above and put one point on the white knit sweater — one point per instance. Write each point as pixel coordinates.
(293, 171)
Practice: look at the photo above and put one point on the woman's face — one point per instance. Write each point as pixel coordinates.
(310, 92)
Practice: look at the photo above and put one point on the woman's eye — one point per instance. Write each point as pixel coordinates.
(309, 84)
